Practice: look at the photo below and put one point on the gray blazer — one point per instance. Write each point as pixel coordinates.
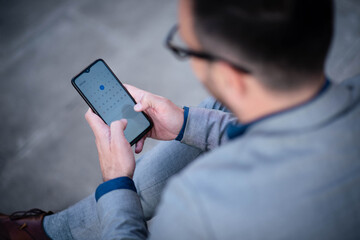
(293, 176)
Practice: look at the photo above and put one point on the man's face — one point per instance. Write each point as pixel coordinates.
(202, 68)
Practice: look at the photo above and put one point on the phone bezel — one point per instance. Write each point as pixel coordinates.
(142, 134)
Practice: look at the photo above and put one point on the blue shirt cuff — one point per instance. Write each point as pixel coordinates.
(114, 184)
(181, 133)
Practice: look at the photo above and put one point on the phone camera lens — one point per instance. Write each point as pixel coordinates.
(87, 70)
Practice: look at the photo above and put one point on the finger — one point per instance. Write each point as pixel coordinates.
(144, 99)
(135, 92)
(117, 129)
(139, 145)
(147, 101)
(97, 125)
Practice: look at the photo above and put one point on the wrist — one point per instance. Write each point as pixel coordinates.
(111, 177)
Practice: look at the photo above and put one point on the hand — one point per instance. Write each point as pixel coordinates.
(166, 116)
(115, 153)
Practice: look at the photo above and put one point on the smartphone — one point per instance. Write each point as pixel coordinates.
(109, 99)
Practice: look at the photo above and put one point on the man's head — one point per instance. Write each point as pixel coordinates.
(283, 43)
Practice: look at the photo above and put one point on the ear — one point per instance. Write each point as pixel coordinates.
(231, 80)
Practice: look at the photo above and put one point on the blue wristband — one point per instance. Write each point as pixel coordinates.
(114, 184)
(181, 133)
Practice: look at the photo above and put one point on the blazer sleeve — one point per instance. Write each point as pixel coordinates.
(206, 128)
(180, 216)
(121, 216)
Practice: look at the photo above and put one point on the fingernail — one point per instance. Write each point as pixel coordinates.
(137, 107)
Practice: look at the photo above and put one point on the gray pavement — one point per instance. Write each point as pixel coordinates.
(48, 157)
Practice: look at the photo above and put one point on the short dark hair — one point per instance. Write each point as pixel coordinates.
(282, 41)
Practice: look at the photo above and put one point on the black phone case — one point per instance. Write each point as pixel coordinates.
(96, 112)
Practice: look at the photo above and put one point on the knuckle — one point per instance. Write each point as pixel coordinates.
(145, 98)
(166, 101)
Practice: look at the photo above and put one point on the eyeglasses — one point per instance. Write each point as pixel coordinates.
(183, 53)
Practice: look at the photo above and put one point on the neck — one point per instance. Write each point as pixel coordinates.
(272, 102)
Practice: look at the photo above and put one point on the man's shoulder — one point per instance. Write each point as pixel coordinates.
(270, 177)
(355, 81)
(281, 183)
(263, 145)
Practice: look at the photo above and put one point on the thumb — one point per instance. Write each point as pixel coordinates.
(146, 101)
(97, 125)
(117, 129)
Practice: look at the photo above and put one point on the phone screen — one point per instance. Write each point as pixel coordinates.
(108, 98)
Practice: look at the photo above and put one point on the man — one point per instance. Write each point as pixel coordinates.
(288, 166)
